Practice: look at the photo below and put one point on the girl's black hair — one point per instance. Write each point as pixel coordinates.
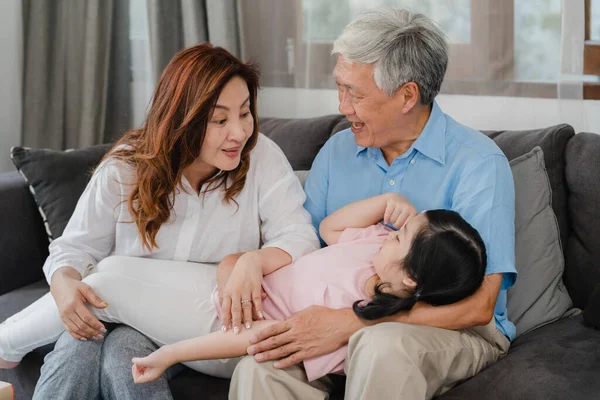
(447, 260)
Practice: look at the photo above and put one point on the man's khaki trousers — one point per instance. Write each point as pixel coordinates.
(385, 361)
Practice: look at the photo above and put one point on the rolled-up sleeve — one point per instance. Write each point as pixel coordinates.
(90, 234)
(316, 186)
(285, 223)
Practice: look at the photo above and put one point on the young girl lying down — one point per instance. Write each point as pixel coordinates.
(436, 257)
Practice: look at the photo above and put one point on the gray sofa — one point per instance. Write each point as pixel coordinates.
(560, 360)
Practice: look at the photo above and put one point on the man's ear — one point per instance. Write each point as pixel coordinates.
(409, 282)
(409, 93)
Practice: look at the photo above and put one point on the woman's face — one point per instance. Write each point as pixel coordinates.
(388, 260)
(229, 128)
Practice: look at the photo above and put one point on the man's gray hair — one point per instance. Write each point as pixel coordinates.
(404, 46)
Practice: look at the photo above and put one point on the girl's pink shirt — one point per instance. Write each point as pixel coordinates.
(333, 277)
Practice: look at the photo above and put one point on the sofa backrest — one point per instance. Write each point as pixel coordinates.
(301, 139)
(582, 255)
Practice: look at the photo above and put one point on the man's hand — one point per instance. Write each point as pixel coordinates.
(475, 310)
(70, 295)
(309, 333)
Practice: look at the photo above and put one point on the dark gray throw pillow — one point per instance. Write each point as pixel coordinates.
(57, 179)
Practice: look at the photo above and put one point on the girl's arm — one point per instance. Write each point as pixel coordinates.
(214, 346)
(391, 207)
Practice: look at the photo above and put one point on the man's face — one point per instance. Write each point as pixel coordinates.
(376, 118)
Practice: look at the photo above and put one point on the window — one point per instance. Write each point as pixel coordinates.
(497, 47)
(323, 21)
(142, 83)
(591, 53)
(594, 20)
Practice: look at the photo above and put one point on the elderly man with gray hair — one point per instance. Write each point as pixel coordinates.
(390, 66)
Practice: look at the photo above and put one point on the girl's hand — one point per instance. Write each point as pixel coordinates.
(242, 292)
(148, 369)
(398, 210)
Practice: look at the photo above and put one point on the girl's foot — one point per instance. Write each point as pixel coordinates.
(8, 364)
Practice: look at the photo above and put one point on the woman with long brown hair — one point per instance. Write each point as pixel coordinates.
(197, 184)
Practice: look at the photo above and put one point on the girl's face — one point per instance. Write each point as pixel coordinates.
(228, 129)
(388, 260)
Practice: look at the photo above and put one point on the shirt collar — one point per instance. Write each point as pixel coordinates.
(432, 140)
(359, 149)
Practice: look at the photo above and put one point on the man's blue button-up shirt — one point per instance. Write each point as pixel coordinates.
(449, 166)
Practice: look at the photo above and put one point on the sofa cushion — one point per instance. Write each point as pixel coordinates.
(557, 361)
(591, 314)
(56, 180)
(300, 139)
(302, 175)
(582, 273)
(341, 125)
(538, 296)
(552, 141)
(23, 241)
(25, 376)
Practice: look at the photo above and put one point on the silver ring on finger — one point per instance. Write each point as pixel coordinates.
(246, 301)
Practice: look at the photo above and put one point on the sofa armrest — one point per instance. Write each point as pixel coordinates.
(23, 240)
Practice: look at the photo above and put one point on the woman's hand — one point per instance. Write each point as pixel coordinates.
(398, 210)
(242, 291)
(70, 295)
(224, 271)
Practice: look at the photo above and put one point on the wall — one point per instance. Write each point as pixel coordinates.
(10, 79)
(479, 112)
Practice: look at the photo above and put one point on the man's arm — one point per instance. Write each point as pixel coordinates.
(319, 330)
(485, 198)
(475, 310)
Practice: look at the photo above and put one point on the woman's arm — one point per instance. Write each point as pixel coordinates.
(216, 345)
(90, 233)
(270, 259)
(284, 223)
(391, 207)
(88, 238)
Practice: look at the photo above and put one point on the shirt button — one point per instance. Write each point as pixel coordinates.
(190, 215)
(392, 182)
(412, 161)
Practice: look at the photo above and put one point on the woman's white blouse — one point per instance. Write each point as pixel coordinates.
(201, 228)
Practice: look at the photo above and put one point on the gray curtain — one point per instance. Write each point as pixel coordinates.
(70, 48)
(177, 24)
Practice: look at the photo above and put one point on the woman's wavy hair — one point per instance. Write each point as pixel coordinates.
(447, 260)
(174, 131)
